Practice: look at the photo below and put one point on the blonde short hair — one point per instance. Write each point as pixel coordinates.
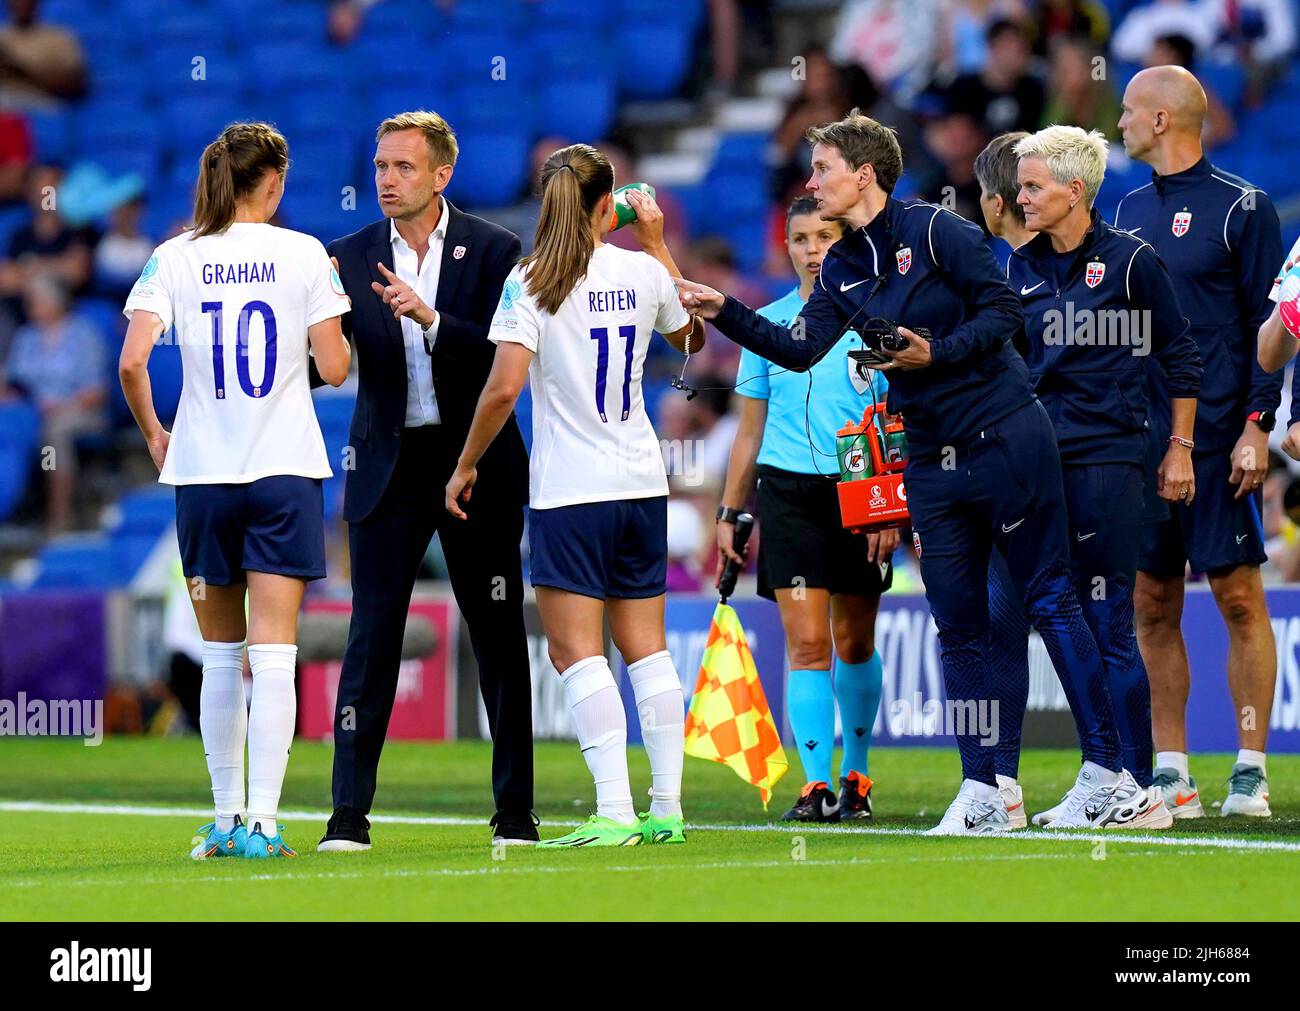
(1070, 153)
(441, 138)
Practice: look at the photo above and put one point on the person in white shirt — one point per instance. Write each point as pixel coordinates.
(247, 300)
(576, 318)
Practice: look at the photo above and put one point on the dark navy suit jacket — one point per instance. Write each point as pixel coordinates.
(469, 287)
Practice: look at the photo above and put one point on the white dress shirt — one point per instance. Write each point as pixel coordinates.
(421, 402)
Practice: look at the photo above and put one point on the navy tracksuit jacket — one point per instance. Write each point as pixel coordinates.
(1093, 318)
(983, 466)
(1221, 241)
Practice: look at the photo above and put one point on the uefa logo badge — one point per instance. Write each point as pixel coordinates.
(1096, 271)
(916, 543)
(1182, 222)
(904, 258)
(458, 253)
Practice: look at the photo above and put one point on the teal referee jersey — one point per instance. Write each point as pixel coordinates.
(799, 435)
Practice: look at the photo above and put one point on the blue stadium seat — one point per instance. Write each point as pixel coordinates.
(194, 121)
(1226, 80)
(547, 14)
(51, 134)
(147, 510)
(492, 168)
(505, 16)
(19, 424)
(495, 105)
(402, 19)
(334, 412)
(578, 107)
(653, 57)
(12, 219)
(75, 561)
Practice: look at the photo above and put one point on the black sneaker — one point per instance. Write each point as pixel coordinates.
(348, 830)
(513, 829)
(855, 797)
(815, 803)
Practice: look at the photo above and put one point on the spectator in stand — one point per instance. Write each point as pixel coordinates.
(1260, 35)
(122, 252)
(15, 157)
(1138, 33)
(1080, 93)
(1065, 19)
(897, 42)
(40, 64)
(1178, 50)
(824, 96)
(968, 28)
(47, 246)
(59, 362)
(953, 140)
(1004, 95)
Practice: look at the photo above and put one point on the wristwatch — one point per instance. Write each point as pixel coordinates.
(1266, 420)
(727, 515)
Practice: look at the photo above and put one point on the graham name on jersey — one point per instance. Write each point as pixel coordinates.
(614, 300)
(238, 273)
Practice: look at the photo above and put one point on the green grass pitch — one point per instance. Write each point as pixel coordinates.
(104, 833)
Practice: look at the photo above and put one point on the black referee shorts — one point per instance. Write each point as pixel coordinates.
(803, 542)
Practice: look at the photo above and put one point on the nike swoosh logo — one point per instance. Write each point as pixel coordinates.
(1007, 529)
(829, 809)
(1015, 806)
(1134, 231)
(1240, 538)
(1184, 798)
(1026, 291)
(845, 287)
(1084, 537)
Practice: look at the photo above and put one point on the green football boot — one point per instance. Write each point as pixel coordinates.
(668, 829)
(596, 831)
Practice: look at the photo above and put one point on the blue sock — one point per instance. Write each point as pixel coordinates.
(812, 718)
(857, 690)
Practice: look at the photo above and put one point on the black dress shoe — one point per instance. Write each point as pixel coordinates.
(514, 829)
(348, 830)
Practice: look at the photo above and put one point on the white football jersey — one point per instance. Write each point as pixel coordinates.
(242, 301)
(592, 438)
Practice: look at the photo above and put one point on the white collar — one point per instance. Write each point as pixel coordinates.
(440, 232)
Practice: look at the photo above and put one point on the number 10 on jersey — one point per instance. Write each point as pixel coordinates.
(600, 335)
(241, 350)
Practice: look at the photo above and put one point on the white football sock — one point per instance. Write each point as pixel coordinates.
(662, 711)
(270, 730)
(1173, 760)
(223, 724)
(1005, 782)
(601, 726)
(1256, 758)
(982, 791)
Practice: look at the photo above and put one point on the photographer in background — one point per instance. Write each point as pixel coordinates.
(983, 467)
(824, 579)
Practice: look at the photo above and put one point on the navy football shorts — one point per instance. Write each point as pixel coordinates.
(275, 525)
(601, 549)
(1215, 534)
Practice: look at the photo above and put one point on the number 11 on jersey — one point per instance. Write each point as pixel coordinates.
(600, 335)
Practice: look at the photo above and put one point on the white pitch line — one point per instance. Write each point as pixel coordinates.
(1144, 838)
(580, 867)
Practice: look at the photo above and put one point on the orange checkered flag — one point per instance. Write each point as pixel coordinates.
(729, 720)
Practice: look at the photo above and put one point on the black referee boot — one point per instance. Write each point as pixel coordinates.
(511, 828)
(348, 831)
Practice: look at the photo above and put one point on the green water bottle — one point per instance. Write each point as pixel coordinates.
(896, 446)
(855, 458)
(624, 212)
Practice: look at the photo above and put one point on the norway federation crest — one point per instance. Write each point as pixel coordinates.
(1095, 272)
(1182, 222)
(904, 258)
(458, 253)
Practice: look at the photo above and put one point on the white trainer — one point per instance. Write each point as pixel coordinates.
(968, 815)
(1129, 806)
(1247, 792)
(1085, 785)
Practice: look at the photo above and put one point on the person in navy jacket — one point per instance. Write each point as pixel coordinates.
(983, 467)
(1098, 303)
(1220, 238)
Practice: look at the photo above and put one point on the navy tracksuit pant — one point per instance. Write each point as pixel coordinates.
(1005, 490)
(1105, 503)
